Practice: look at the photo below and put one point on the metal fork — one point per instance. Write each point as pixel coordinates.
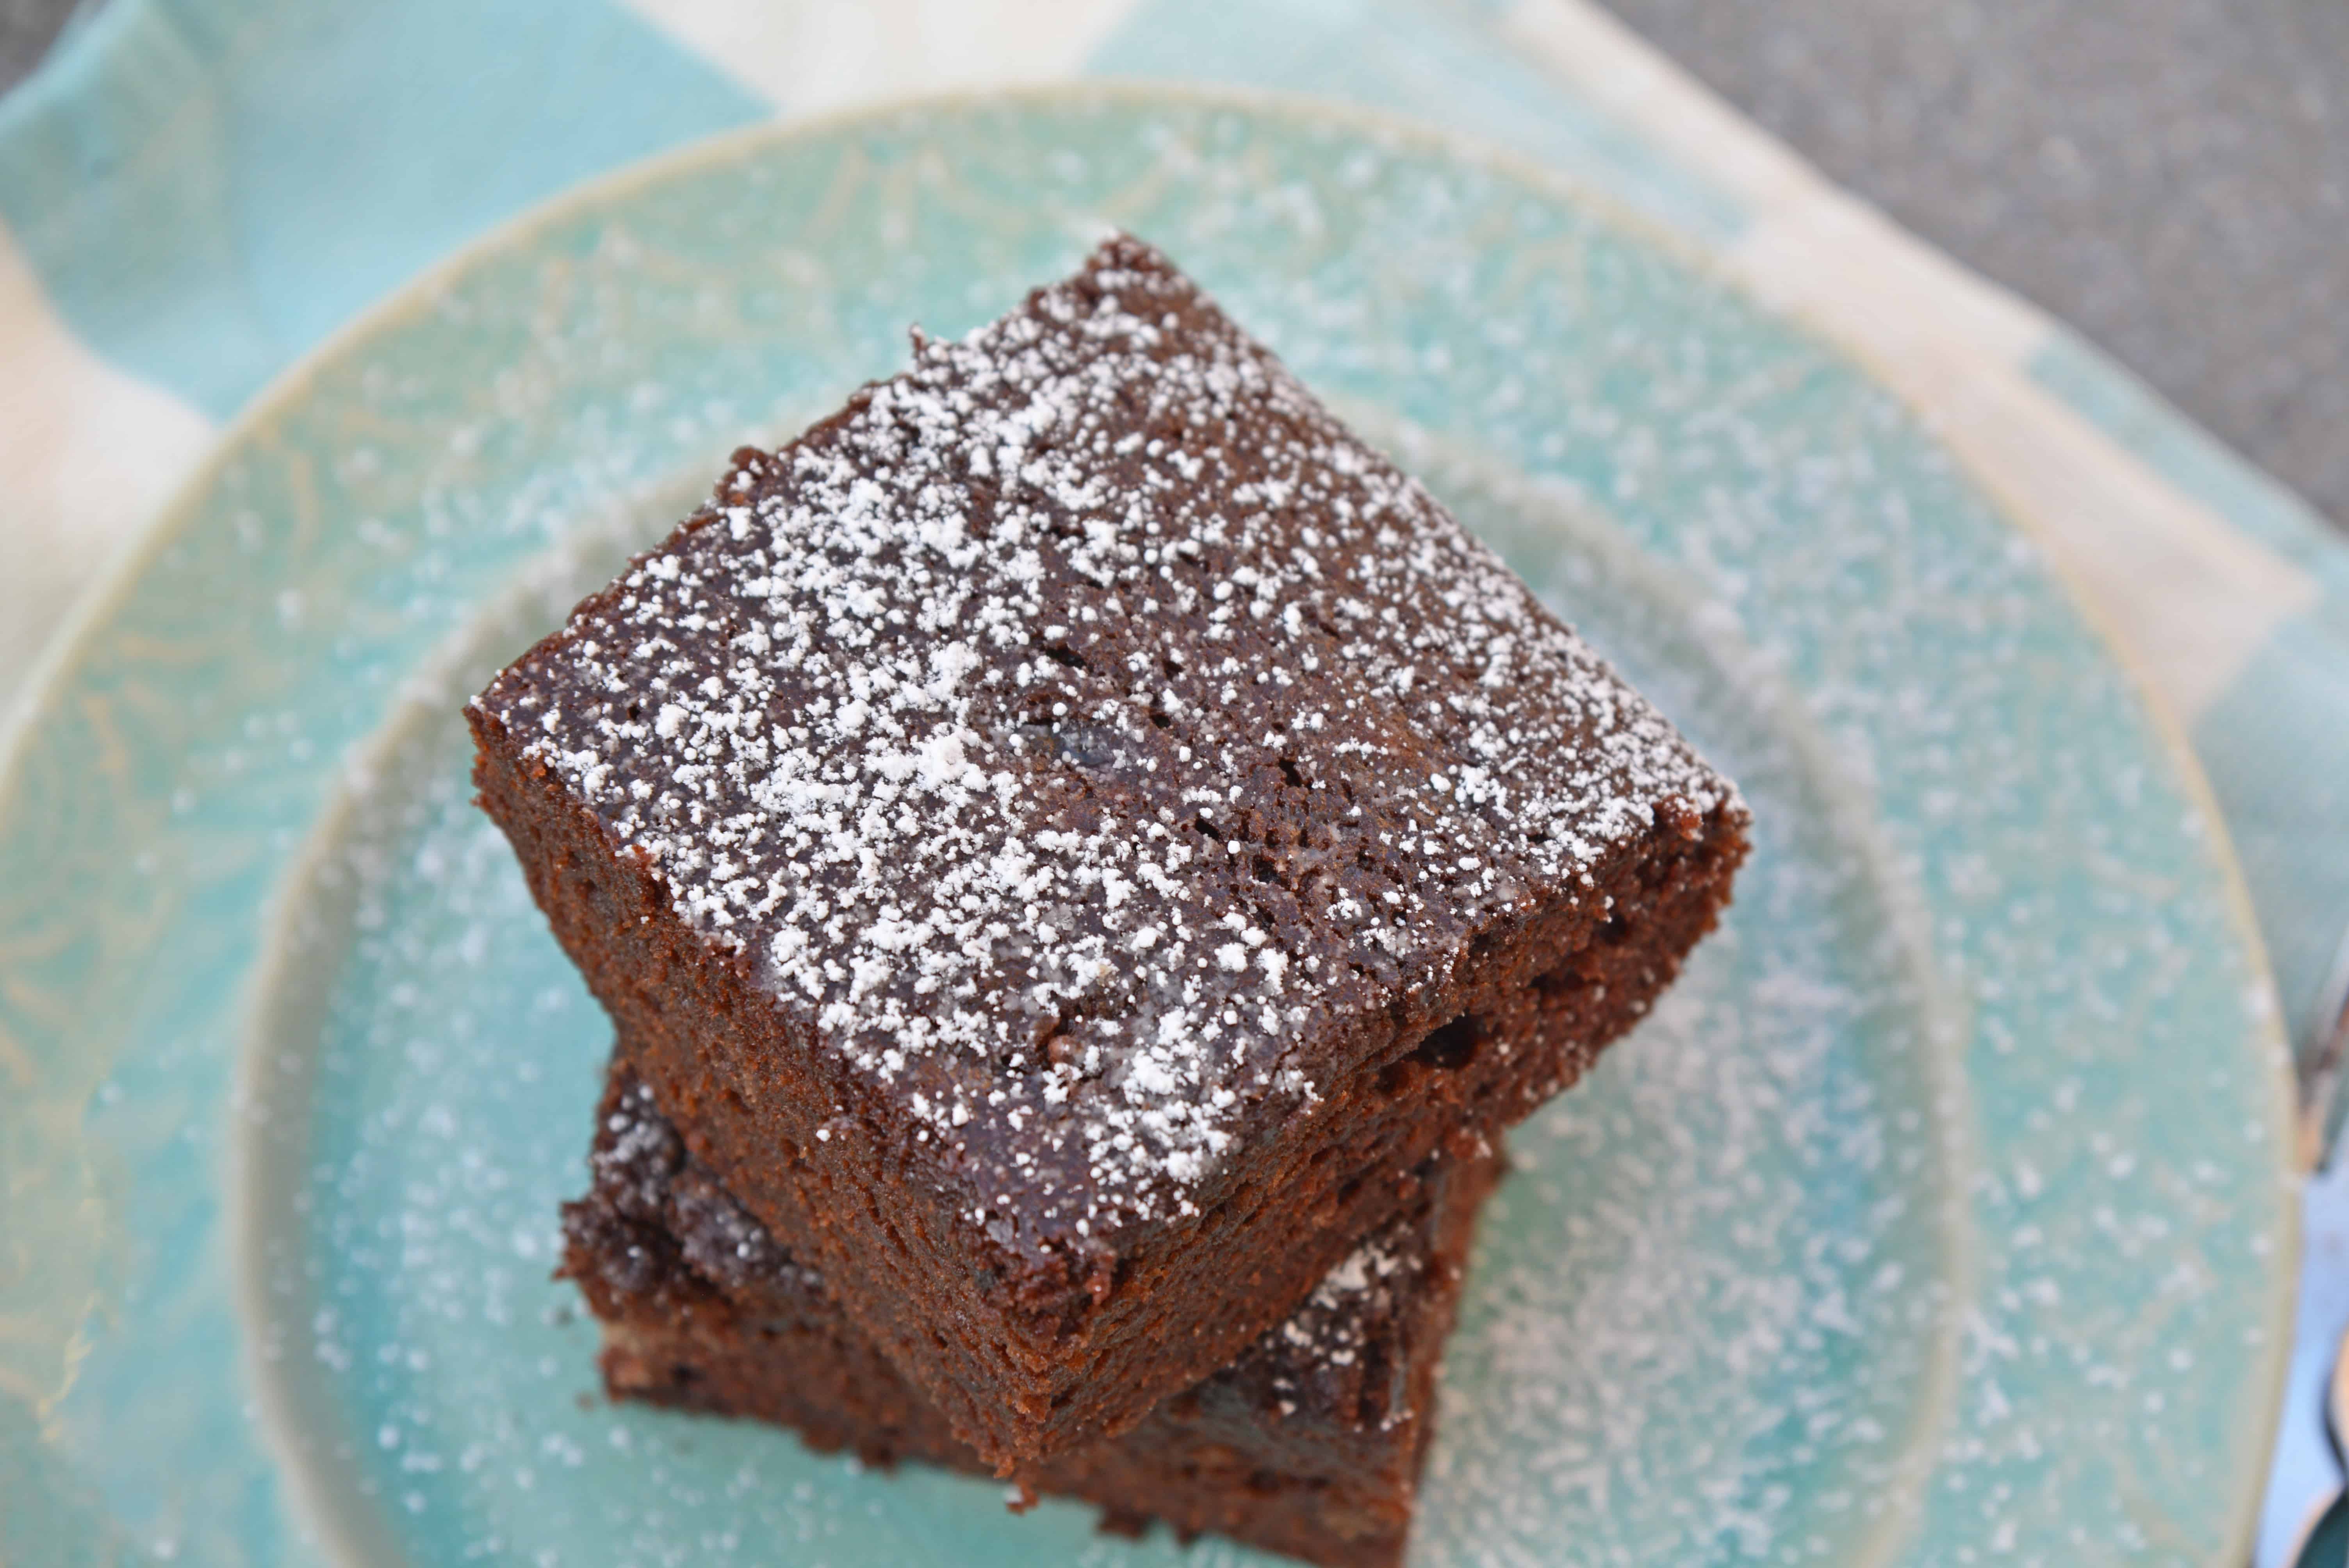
(2310, 1477)
(2327, 1542)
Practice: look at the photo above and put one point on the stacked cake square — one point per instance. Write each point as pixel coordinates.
(1085, 860)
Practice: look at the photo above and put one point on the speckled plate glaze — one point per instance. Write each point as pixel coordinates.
(1939, 1214)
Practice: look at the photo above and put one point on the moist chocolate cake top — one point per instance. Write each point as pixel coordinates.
(1073, 723)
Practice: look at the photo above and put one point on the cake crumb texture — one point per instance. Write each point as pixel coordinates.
(1079, 722)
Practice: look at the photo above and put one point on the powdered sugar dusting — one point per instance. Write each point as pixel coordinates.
(1353, 1301)
(640, 1171)
(1082, 717)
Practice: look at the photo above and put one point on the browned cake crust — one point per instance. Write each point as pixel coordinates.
(1310, 1443)
(1081, 828)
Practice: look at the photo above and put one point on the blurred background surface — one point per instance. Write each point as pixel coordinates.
(2169, 176)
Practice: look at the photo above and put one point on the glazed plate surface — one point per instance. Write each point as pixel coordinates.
(1940, 1212)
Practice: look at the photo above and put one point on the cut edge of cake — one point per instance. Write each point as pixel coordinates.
(1310, 1444)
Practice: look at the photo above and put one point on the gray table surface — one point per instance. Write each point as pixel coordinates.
(2170, 176)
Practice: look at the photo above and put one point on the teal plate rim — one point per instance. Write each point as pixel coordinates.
(21, 728)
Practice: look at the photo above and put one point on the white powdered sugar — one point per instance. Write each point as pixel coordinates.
(1081, 721)
(1329, 1331)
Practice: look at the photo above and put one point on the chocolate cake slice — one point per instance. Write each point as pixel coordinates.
(1081, 828)
(1310, 1443)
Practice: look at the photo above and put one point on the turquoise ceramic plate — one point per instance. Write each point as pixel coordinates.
(1938, 1214)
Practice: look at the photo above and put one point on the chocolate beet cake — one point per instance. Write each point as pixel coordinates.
(1310, 1443)
(1081, 826)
